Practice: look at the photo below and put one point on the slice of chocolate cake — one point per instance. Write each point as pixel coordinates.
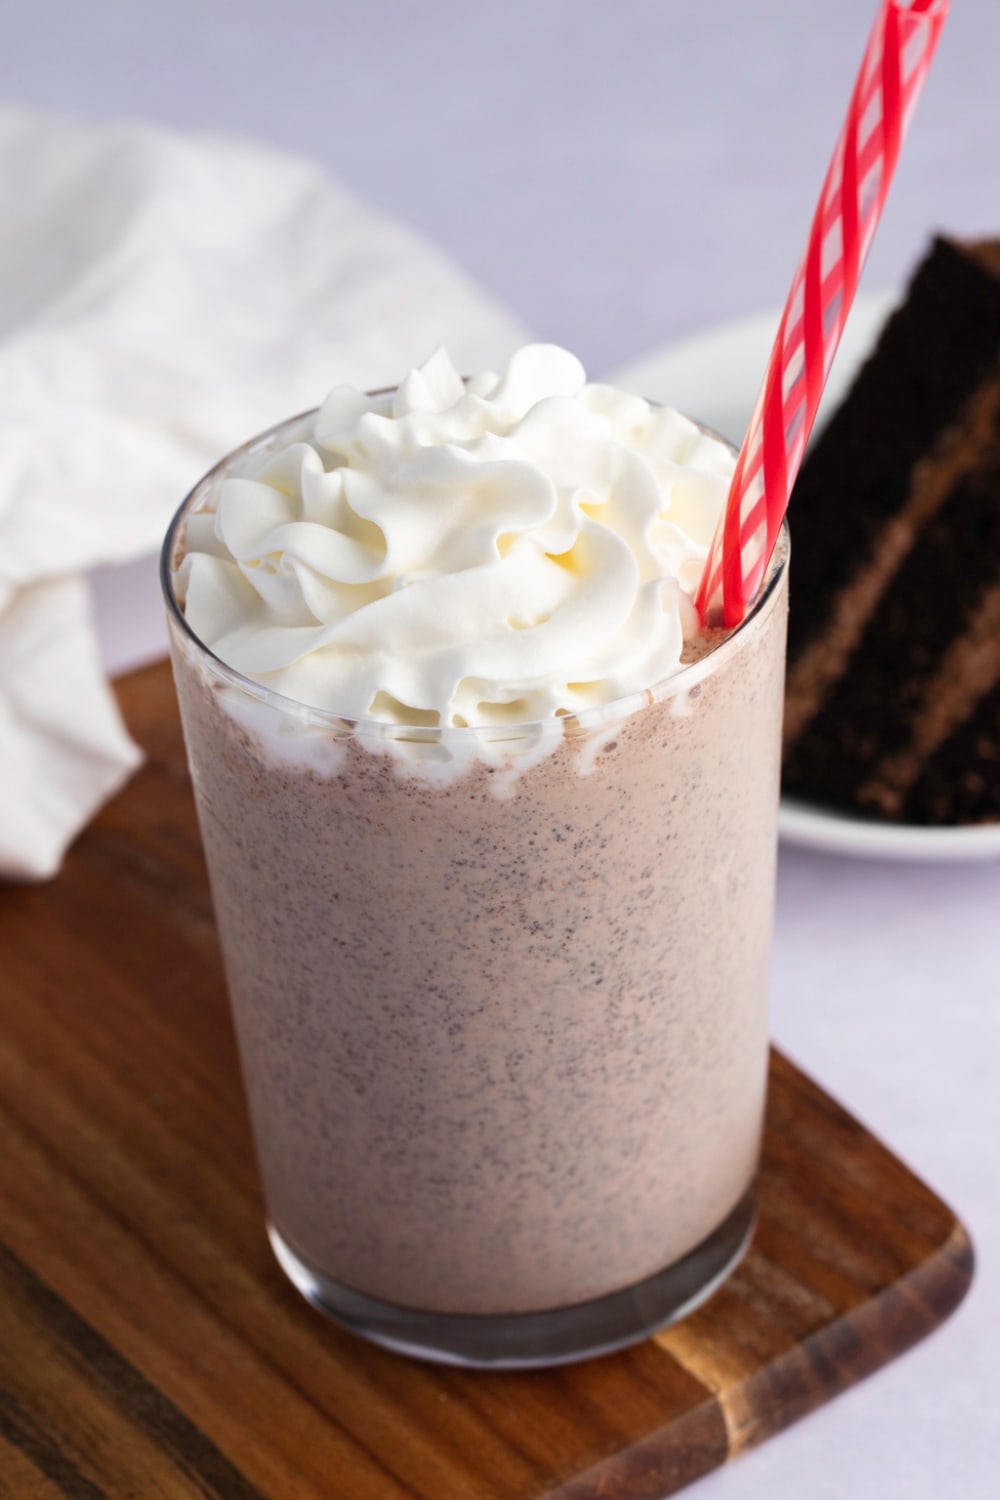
(893, 696)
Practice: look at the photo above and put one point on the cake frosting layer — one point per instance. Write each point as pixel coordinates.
(506, 549)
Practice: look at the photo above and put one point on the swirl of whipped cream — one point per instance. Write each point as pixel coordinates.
(494, 551)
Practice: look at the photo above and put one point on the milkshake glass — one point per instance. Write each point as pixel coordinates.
(500, 993)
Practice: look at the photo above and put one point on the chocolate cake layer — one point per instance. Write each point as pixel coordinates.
(894, 645)
(918, 667)
(961, 783)
(933, 354)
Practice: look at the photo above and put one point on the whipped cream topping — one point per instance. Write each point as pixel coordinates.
(503, 550)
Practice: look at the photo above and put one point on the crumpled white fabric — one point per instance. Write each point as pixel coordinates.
(162, 298)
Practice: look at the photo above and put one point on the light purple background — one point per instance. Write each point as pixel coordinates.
(621, 175)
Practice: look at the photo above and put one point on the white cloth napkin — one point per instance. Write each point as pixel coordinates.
(162, 298)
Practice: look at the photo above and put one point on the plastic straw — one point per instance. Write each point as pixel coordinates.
(889, 81)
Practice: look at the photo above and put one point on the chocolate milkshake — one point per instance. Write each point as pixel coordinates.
(496, 932)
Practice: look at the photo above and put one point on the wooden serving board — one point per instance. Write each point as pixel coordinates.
(149, 1345)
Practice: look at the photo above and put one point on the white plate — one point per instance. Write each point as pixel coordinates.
(839, 833)
(715, 377)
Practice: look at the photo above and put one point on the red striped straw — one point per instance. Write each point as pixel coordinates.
(892, 72)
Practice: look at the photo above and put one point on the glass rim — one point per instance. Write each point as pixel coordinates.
(682, 679)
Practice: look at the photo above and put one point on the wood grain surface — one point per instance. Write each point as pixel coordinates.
(149, 1344)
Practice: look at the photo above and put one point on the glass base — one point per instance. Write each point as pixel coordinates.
(520, 1341)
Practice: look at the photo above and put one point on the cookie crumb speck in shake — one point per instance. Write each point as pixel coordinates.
(490, 823)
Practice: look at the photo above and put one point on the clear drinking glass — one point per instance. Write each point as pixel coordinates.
(500, 995)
